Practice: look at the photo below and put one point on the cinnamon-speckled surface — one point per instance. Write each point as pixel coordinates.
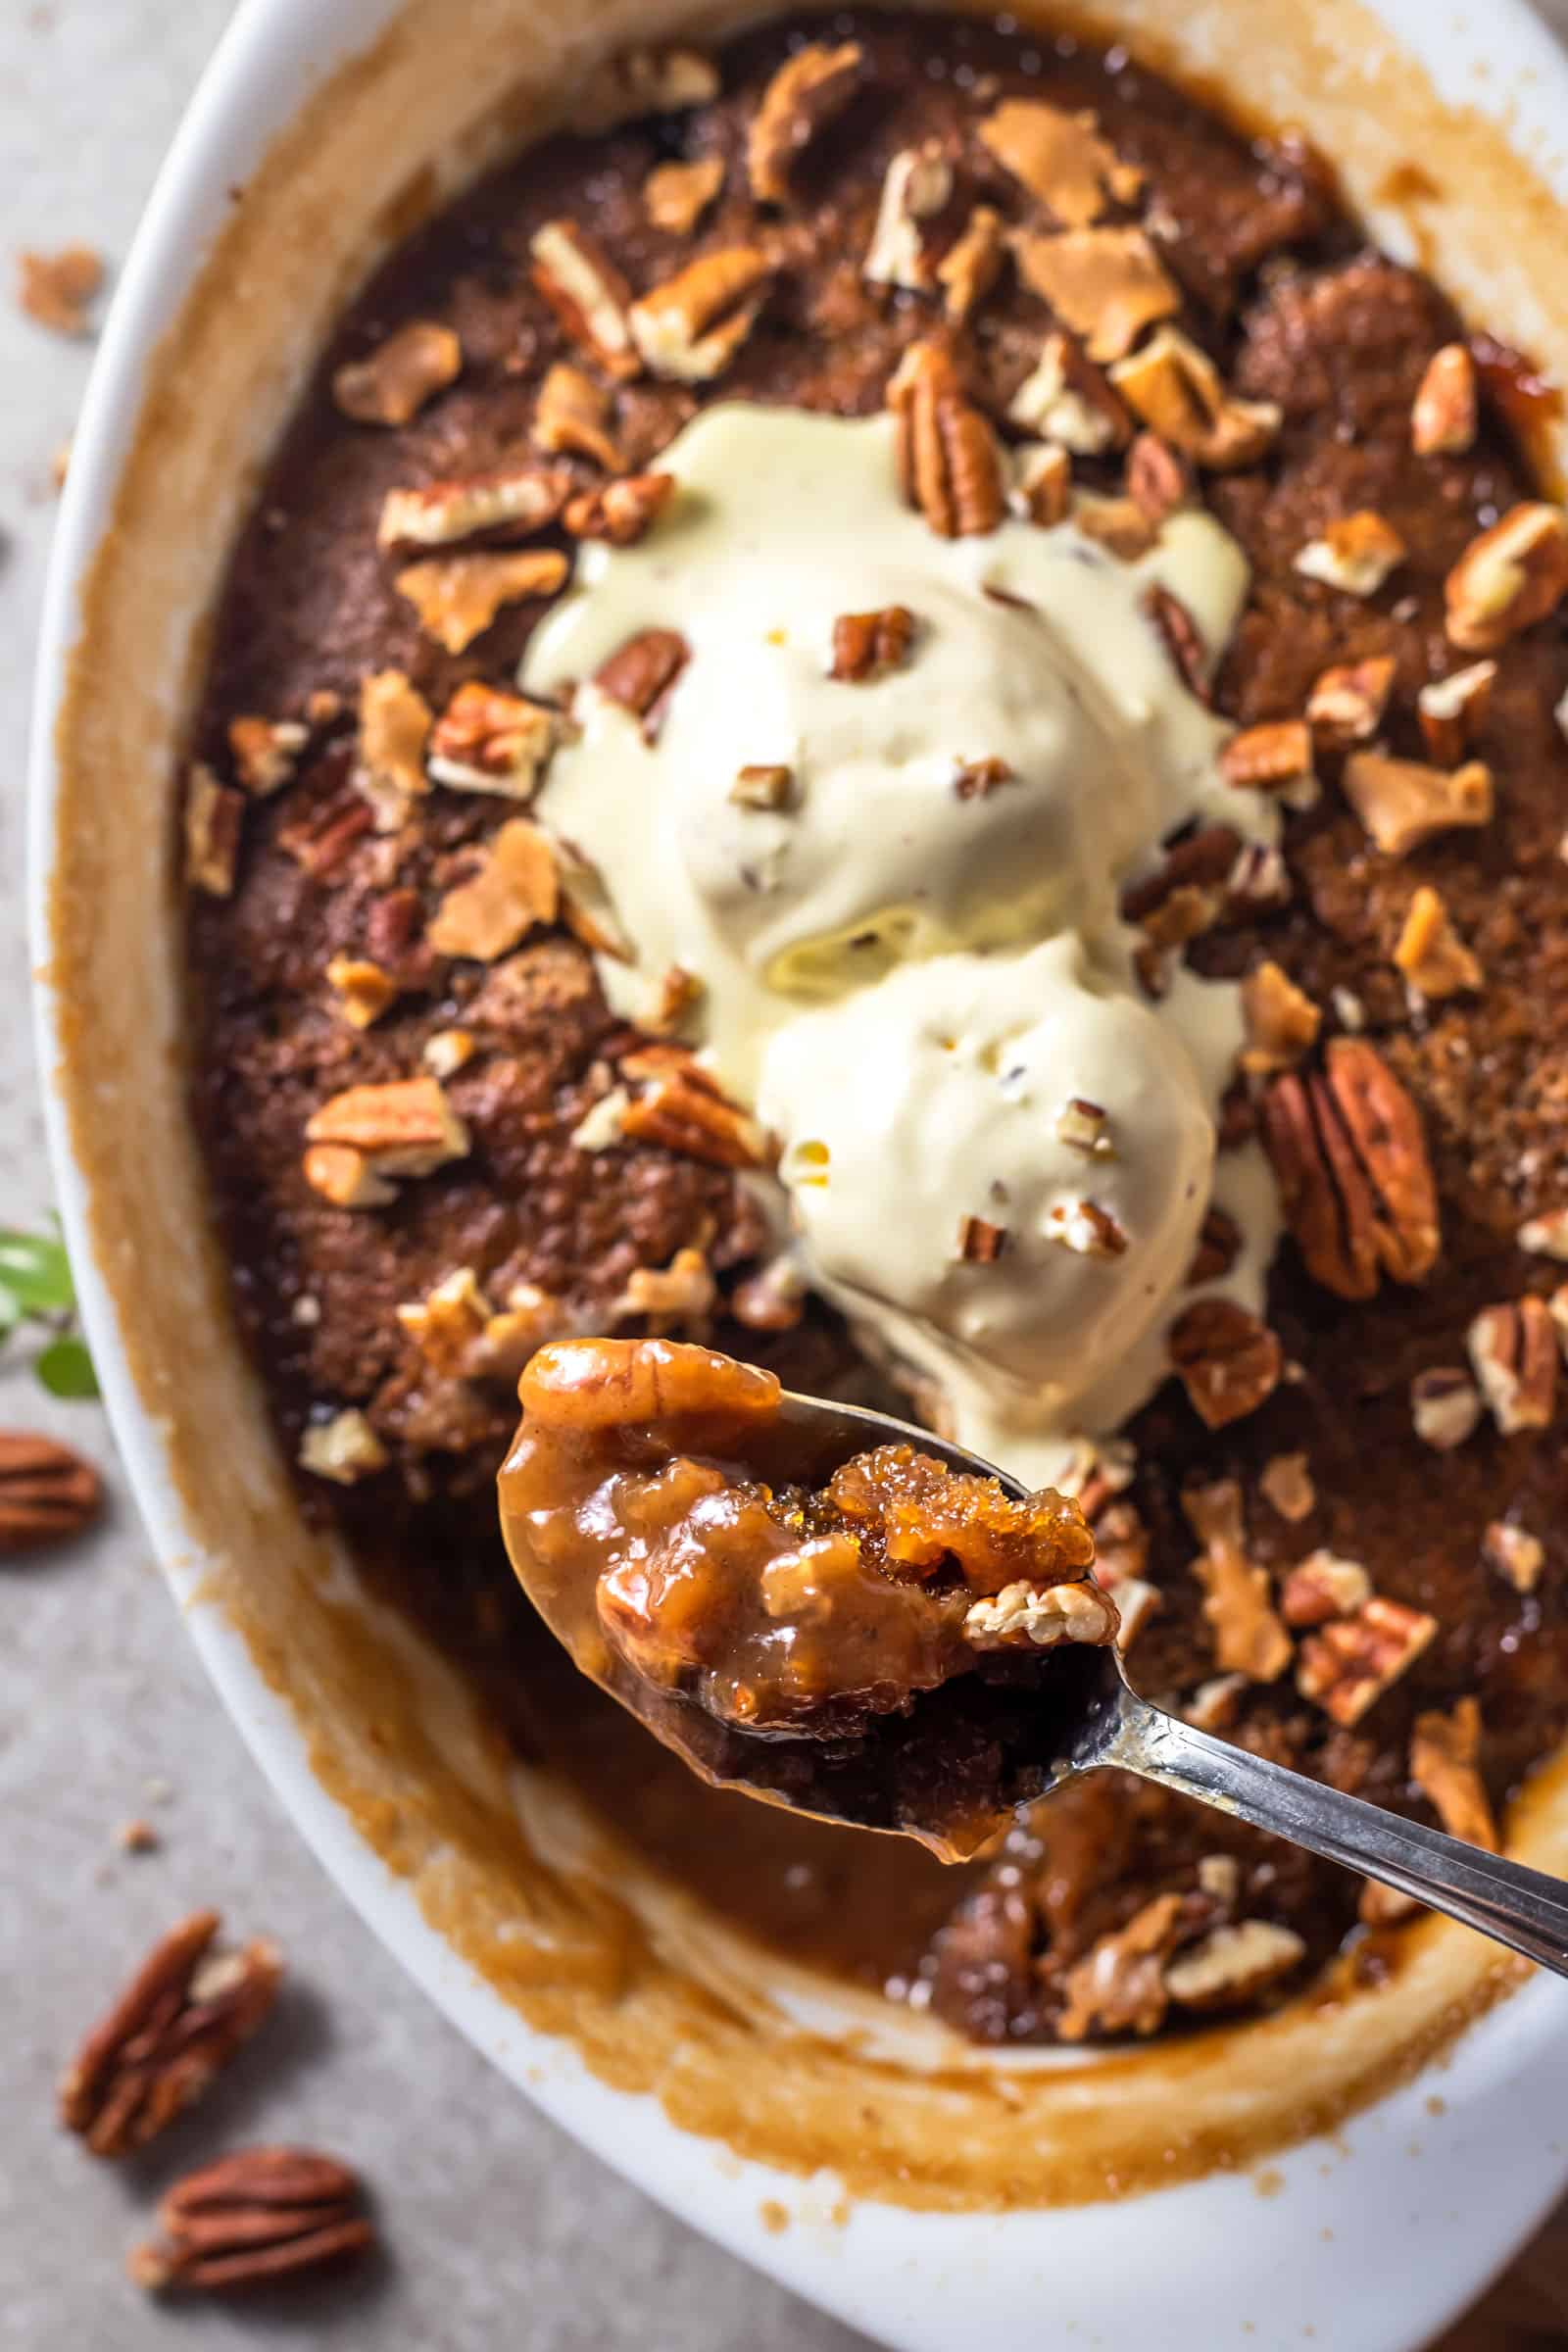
(100, 1694)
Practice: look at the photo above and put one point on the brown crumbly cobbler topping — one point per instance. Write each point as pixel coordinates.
(434, 1148)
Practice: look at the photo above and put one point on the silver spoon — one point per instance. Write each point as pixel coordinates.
(1075, 1712)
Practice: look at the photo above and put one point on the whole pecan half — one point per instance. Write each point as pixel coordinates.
(178, 2022)
(947, 456)
(1355, 1182)
(47, 1493)
(680, 1105)
(1228, 1361)
(253, 2216)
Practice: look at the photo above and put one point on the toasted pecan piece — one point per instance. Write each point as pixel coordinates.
(1429, 950)
(457, 597)
(404, 1128)
(1228, 1361)
(948, 463)
(1356, 554)
(587, 293)
(256, 2215)
(1182, 637)
(1158, 477)
(1062, 159)
(1234, 1964)
(1513, 1351)
(680, 1105)
(511, 503)
(916, 187)
(364, 990)
(176, 2025)
(1355, 1182)
(391, 384)
(1219, 1244)
(622, 511)
(1403, 803)
(675, 196)
(1514, 1553)
(1275, 757)
(972, 264)
(644, 81)
(1347, 703)
(1282, 1022)
(56, 289)
(1119, 1984)
(868, 645)
(1107, 284)
(808, 89)
(48, 1494)
(1323, 1586)
(572, 417)
(1247, 1636)
(1445, 1753)
(679, 1297)
(1345, 1666)
(1042, 483)
(515, 888)
(1287, 1486)
(395, 722)
(690, 326)
(343, 1448)
(1175, 388)
(765, 784)
(1444, 416)
(266, 752)
(214, 818)
(641, 674)
(489, 740)
(1508, 579)
(1452, 710)
(1065, 398)
(1445, 1407)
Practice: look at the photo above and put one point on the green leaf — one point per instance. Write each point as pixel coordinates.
(36, 1272)
(9, 1312)
(66, 1369)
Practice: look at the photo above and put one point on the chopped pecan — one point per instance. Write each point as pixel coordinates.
(1217, 1704)
(1117, 524)
(1323, 1586)
(1119, 1985)
(1445, 1407)
(1107, 284)
(256, 2215)
(1545, 1235)
(529, 1317)
(680, 1105)
(457, 597)
(509, 504)
(1443, 1765)
(808, 89)
(1355, 1183)
(1247, 1636)
(345, 1177)
(215, 815)
(1023, 1615)
(56, 289)
(916, 185)
(391, 384)
(767, 785)
(1514, 1553)
(1281, 1021)
(1276, 758)
(978, 779)
(394, 728)
(1182, 638)
(641, 674)
(971, 266)
(1060, 158)
(1356, 554)
(1219, 1245)
(587, 293)
(1513, 1351)
(1430, 952)
(1347, 703)
(446, 1324)
(1121, 1546)
(644, 81)
(1228, 1361)
(1347, 1664)
(405, 1128)
(868, 645)
(343, 1448)
(321, 838)
(1195, 869)
(679, 1297)
(266, 752)
(772, 1300)
(1402, 803)
(1175, 388)
(1086, 1229)
(622, 511)
(515, 888)
(176, 2025)
(1067, 400)
(1232, 1965)
(488, 741)
(675, 196)
(1452, 710)
(690, 327)
(47, 1493)
(1508, 579)
(364, 990)
(949, 462)
(1286, 1487)
(675, 997)
(572, 417)
(980, 1243)
(1157, 478)
(1085, 1127)
(445, 1052)
(1444, 414)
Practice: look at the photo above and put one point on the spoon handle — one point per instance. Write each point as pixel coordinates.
(1520, 1907)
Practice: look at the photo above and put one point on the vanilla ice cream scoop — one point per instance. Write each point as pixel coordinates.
(1010, 1201)
(987, 788)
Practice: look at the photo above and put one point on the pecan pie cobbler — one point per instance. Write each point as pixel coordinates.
(893, 707)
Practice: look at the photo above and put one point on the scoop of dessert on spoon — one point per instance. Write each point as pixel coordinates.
(835, 1612)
